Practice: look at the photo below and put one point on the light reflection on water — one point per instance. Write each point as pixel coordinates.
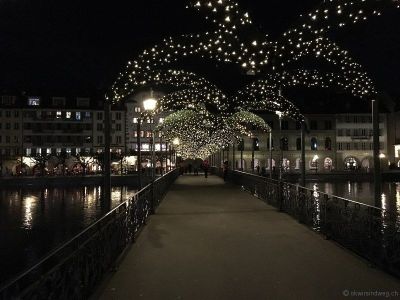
(359, 191)
(35, 221)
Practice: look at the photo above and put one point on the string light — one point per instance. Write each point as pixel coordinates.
(237, 41)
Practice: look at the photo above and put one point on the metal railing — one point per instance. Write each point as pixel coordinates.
(73, 270)
(371, 232)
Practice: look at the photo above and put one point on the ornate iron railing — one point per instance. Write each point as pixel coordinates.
(73, 270)
(371, 232)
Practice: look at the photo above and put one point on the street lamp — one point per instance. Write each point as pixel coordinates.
(175, 143)
(279, 113)
(150, 106)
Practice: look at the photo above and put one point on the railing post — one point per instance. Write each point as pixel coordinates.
(280, 195)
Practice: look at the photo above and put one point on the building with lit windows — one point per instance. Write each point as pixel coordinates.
(332, 142)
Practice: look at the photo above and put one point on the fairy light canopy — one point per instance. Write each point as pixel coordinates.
(278, 64)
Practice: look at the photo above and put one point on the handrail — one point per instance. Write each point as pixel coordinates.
(323, 193)
(371, 232)
(70, 242)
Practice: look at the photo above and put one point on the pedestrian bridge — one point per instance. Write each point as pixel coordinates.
(212, 240)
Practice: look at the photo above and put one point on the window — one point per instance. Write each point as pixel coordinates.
(99, 140)
(38, 151)
(28, 151)
(8, 139)
(328, 125)
(8, 114)
(58, 101)
(100, 116)
(313, 125)
(16, 126)
(137, 109)
(118, 139)
(48, 151)
(328, 144)
(135, 134)
(58, 151)
(161, 120)
(16, 113)
(363, 146)
(58, 115)
(348, 146)
(284, 144)
(256, 144)
(8, 100)
(82, 102)
(285, 125)
(68, 115)
(78, 115)
(88, 139)
(118, 116)
(99, 126)
(68, 150)
(298, 144)
(314, 144)
(16, 139)
(340, 146)
(340, 132)
(348, 132)
(8, 126)
(33, 101)
(135, 120)
(118, 127)
(88, 115)
(145, 147)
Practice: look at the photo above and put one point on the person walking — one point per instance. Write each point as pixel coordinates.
(225, 170)
(205, 168)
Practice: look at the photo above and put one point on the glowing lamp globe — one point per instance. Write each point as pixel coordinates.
(150, 104)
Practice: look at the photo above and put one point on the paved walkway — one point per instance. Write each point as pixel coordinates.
(210, 240)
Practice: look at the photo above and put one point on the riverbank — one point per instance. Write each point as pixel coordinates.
(55, 181)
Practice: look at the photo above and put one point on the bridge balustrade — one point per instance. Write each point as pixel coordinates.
(371, 232)
(74, 269)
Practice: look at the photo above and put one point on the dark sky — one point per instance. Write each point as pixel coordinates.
(80, 46)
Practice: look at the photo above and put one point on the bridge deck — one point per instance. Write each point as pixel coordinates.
(210, 240)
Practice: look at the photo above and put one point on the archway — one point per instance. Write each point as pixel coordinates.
(285, 165)
(351, 163)
(297, 167)
(328, 164)
(367, 163)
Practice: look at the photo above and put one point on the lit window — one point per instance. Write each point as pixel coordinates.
(78, 115)
(161, 120)
(33, 101)
(145, 147)
(38, 151)
(58, 115)
(58, 151)
(68, 115)
(137, 109)
(68, 150)
(28, 151)
(48, 151)
(135, 120)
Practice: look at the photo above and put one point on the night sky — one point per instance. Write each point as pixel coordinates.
(80, 46)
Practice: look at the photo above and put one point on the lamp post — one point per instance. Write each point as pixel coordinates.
(150, 105)
(279, 113)
(175, 143)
